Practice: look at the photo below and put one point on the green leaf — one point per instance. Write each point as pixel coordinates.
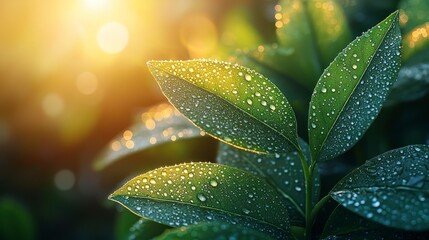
(342, 221)
(219, 231)
(349, 94)
(413, 13)
(330, 28)
(124, 221)
(294, 32)
(232, 103)
(415, 45)
(283, 171)
(145, 229)
(412, 84)
(391, 189)
(158, 125)
(203, 192)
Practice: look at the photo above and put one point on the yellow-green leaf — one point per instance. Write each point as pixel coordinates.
(230, 102)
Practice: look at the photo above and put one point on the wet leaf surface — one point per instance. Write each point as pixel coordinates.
(232, 103)
(158, 125)
(145, 229)
(350, 92)
(204, 192)
(391, 189)
(219, 231)
(283, 171)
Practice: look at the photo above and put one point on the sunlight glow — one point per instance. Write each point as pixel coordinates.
(86, 83)
(95, 4)
(53, 105)
(112, 37)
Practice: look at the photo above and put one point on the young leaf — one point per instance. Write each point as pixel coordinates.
(203, 192)
(412, 84)
(294, 32)
(330, 28)
(230, 102)
(204, 231)
(349, 94)
(158, 125)
(283, 171)
(145, 229)
(391, 189)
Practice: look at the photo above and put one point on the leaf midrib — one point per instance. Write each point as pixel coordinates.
(322, 146)
(204, 207)
(234, 106)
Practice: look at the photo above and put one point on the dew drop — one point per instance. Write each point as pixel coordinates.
(376, 204)
(258, 94)
(213, 183)
(201, 197)
(323, 90)
(249, 101)
(264, 103)
(246, 211)
(152, 181)
(248, 77)
(272, 107)
(313, 125)
(298, 189)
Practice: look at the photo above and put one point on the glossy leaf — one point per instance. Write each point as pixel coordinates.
(219, 231)
(330, 28)
(349, 94)
(232, 103)
(145, 229)
(391, 189)
(158, 125)
(412, 84)
(283, 171)
(413, 13)
(203, 192)
(416, 44)
(294, 32)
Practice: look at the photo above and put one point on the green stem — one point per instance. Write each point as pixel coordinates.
(318, 206)
(308, 173)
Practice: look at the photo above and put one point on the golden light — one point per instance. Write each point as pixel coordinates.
(112, 37)
(86, 83)
(95, 4)
(53, 105)
(198, 34)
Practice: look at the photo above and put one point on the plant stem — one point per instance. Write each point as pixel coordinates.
(308, 173)
(318, 206)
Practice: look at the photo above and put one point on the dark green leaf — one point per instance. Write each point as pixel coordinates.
(15, 221)
(350, 92)
(218, 231)
(145, 229)
(342, 221)
(416, 45)
(412, 84)
(330, 28)
(283, 171)
(159, 124)
(230, 102)
(124, 221)
(413, 13)
(391, 189)
(199, 192)
(294, 33)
